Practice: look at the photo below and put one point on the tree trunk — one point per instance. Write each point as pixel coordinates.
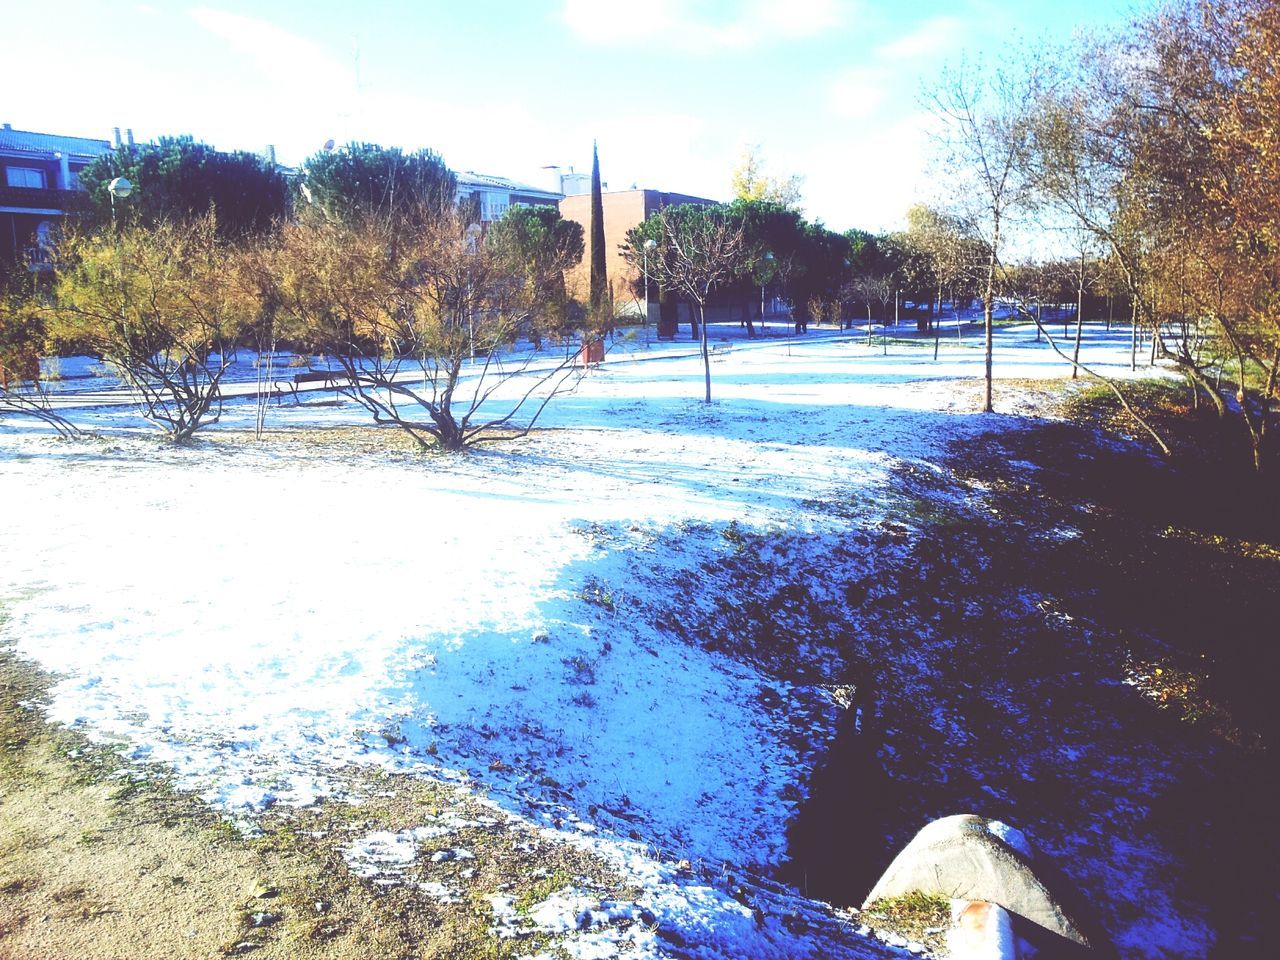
(1255, 434)
(1198, 379)
(668, 315)
(706, 353)
(451, 438)
(987, 319)
(1133, 347)
(1075, 354)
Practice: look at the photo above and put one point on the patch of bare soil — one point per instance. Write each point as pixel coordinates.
(103, 860)
(323, 442)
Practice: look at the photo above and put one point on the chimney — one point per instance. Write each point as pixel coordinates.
(271, 153)
(551, 177)
(8, 126)
(115, 134)
(129, 136)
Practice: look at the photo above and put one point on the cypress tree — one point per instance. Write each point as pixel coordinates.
(599, 277)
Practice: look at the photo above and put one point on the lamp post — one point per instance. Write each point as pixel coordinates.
(118, 187)
(648, 245)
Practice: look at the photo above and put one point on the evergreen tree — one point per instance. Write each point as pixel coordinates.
(179, 178)
(365, 179)
(599, 275)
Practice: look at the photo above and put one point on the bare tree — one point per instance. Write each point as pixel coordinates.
(985, 139)
(1080, 273)
(872, 286)
(21, 392)
(418, 322)
(698, 249)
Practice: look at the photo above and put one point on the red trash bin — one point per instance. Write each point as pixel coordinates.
(592, 352)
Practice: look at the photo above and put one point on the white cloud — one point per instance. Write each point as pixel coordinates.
(684, 24)
(628, 155)
(869, 181)
(289, 89)
(932, 38)
(618, 21)
(858, 92)
(893, 70)
(284, 58)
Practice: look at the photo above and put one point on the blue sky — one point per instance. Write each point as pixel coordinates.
(672, 89)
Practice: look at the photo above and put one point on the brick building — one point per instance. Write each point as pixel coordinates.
(623, 209)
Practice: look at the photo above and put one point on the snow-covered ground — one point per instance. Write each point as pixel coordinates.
(259, 617)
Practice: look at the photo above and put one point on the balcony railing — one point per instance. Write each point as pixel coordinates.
(35, 198)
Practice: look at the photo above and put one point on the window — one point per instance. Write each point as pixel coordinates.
(24, 177)
(493, 205)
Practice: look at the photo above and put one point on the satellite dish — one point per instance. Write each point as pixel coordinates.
(120, 187)
(328, 144)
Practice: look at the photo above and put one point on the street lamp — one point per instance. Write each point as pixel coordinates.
(118, 187)
(473, 239)
(648, 245)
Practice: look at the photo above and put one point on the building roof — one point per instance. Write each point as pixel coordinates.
(669, 198)
(485, 181)
(29, 142)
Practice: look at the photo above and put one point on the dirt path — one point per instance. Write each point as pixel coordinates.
(100, 860)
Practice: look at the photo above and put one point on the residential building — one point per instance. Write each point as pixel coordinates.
(494, 196)
(39, 184)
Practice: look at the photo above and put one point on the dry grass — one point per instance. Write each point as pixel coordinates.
(94, 864)
(916, 916)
